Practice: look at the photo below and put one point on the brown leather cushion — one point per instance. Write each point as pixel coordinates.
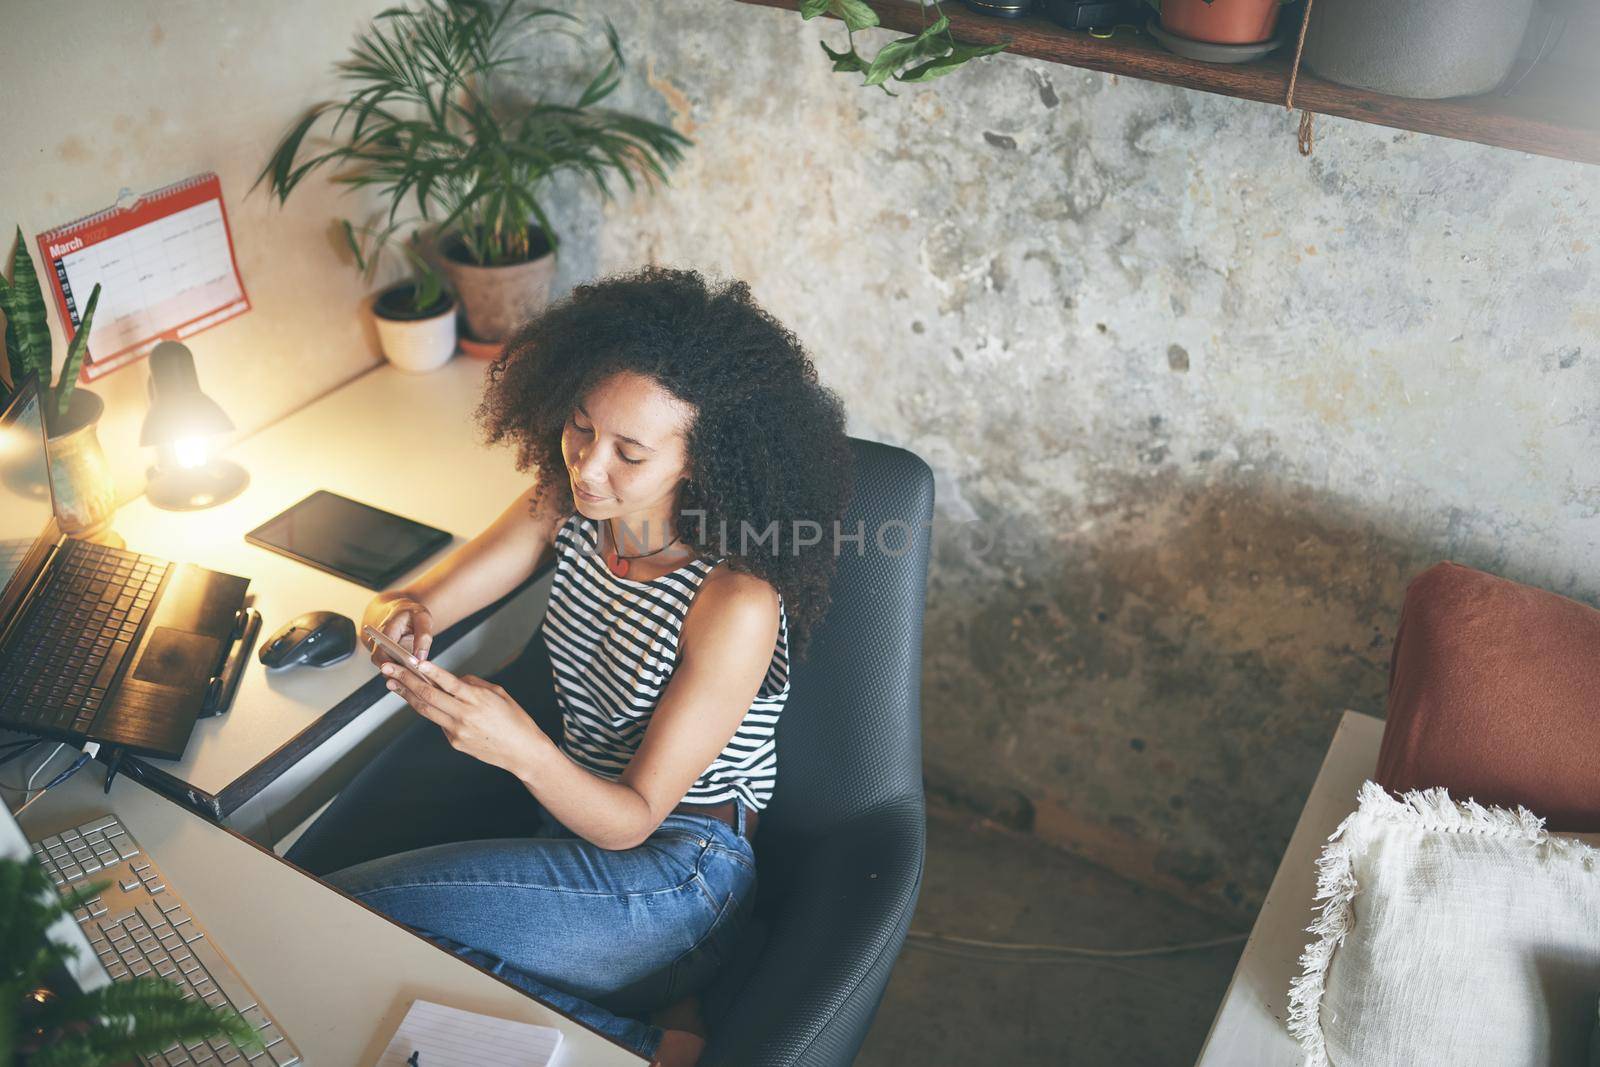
(1494, 693)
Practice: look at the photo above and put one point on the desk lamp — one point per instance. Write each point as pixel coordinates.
(180, 425)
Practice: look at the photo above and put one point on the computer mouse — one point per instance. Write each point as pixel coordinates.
(317, 638)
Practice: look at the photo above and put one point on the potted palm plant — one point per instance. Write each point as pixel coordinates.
(46, 1023)
(433, 124)
(85, 493)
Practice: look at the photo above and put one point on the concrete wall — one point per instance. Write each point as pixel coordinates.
(105, 94)
(1225, 399)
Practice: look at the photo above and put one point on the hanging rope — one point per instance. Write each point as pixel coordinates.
(1299, 49)
(1305, 136)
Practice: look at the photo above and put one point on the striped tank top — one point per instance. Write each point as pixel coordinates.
(613, 647)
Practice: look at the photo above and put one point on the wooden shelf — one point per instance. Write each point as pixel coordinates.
(1553, 111)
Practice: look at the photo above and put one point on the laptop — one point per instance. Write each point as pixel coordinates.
(138, 926)
(99, 643)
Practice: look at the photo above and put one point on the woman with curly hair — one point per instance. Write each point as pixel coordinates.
(582, 824)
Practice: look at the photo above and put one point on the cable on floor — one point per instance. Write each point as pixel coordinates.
(1015, 952)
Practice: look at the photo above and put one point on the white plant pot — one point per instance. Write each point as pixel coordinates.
(419, 345)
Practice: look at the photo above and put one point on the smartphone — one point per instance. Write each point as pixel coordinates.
(395, 649)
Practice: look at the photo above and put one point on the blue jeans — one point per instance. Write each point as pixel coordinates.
(462, 853)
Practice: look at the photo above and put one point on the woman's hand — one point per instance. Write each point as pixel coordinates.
(398, 615)
(478, 718)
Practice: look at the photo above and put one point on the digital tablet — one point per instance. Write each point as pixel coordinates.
(367, 545)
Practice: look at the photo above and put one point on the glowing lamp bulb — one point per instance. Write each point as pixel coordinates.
(190, 452)
(185, 426)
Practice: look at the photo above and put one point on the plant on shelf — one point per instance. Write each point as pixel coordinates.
(28, 337)
(927, 55)
(63, 1027)
(1156, 4)
(432, 124)
(1223, 22)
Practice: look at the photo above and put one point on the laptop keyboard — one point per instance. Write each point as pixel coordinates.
(139, 926)
(13, 551)
(56, 672)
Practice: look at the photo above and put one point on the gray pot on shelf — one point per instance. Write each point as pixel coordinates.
(1420, 49)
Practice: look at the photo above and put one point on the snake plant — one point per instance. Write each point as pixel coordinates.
(27, 337)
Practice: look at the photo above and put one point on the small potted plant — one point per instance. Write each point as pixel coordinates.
(416, 319)
(45, 1024)
(432, 124)
(85, 494)
(1217, 30)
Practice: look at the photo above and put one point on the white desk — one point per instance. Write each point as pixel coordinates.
(338, 977)
(406, 443)
(1249, 1027)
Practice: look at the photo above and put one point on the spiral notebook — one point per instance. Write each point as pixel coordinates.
(165, 265)
(432, 1035)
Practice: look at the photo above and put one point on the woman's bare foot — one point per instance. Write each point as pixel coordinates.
(685, 1037)
(682, 1015)
(678, 1048)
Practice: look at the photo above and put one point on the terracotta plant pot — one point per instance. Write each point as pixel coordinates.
(86, 495)
(481, 349)
(498, 299)
(1221, 21)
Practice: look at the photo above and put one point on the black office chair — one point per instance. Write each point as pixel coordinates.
(839, 854)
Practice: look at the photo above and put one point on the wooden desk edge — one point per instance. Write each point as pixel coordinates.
(216, 807)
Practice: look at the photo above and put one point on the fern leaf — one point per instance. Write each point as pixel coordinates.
(136, 1017)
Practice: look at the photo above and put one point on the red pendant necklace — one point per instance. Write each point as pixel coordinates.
(618, 565)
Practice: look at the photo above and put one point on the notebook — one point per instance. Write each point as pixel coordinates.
(432, 1035)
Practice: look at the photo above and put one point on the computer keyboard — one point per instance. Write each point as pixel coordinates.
(140, 926)
(56, 670)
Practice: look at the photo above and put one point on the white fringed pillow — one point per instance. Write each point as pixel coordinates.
(1451, 934)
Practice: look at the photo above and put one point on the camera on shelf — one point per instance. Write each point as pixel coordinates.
(1073, 14)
